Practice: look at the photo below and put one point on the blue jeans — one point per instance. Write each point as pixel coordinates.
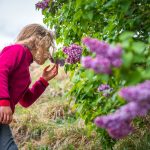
(6, 138)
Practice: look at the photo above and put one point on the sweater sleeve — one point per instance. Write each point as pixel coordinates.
(10, 58)
(33, 93)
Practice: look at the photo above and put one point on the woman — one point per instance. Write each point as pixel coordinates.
(32, 44)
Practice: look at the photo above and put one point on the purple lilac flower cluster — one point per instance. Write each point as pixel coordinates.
(106, 56)
(74, 53)
(105, 89)
(118, 124)
(43, 4)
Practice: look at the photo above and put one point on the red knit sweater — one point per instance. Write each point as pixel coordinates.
(15, 77)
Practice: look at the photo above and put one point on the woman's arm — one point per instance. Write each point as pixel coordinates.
(32, 94)
(39, 86)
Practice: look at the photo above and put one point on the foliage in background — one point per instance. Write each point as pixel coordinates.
(103, 19)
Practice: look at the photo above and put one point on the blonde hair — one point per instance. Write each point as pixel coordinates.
(36, 37)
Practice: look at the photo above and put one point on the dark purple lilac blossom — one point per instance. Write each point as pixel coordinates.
(118, 123)
(74, 53)
(43, 4)
(106, 56)
(61, 62)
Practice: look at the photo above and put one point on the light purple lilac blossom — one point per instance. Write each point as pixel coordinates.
(43, 4)
(118, 123)
(106, 56)
(86, 61)
(74, 53)
(138, 93)
(99, 47)
(123, 129)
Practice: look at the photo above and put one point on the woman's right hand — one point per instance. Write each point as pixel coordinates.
(50, 74)
(5, 115)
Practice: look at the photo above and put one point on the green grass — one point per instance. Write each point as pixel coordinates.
(51, 124)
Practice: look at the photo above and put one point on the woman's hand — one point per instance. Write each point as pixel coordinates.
(5, 115)
(50, 74)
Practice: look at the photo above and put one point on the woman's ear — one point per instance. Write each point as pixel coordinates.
(38, 56)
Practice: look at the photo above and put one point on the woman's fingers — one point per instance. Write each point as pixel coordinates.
(55, 70)
(45, 69)
(1, 117)
(5, 115)
(52, 69)
(9, 119)
(57, 66)
(4, 119)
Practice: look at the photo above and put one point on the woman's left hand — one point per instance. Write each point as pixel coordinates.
(50, 74)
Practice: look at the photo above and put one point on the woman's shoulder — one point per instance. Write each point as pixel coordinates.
(14, 48)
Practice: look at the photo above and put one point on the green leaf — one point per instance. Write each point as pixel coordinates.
(126, 36)
(138, 47)
(90, 15)
(134, 77)
(127, 59)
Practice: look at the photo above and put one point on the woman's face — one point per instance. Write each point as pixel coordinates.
(41, 55)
